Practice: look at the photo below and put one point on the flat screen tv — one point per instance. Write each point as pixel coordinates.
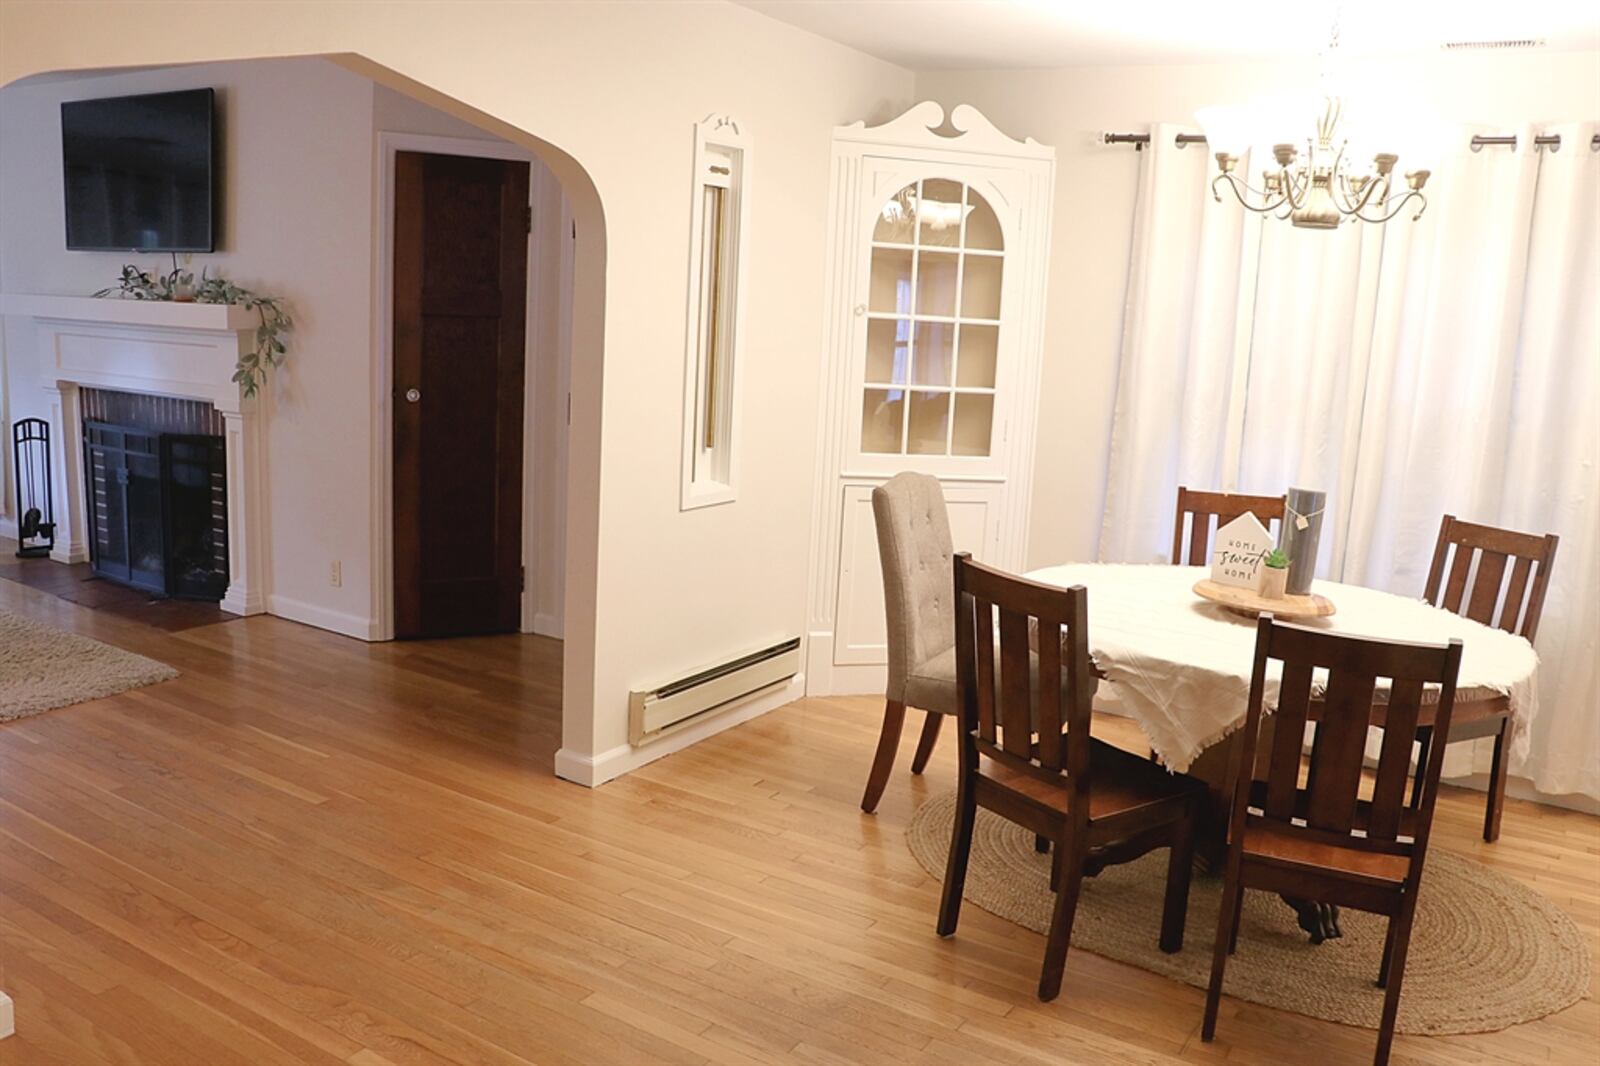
(139, 172)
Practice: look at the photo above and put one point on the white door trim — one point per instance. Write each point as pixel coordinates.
(382, 505)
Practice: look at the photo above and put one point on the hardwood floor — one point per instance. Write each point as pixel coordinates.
(311, 850)
(77, 582)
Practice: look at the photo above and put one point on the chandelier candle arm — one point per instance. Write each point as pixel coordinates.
(1320, 188)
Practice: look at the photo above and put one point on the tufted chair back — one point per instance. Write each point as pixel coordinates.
(918, 575)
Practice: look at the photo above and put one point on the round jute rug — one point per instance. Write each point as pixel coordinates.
(1486, 952)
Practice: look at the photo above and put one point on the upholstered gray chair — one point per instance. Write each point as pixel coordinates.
(918, 591)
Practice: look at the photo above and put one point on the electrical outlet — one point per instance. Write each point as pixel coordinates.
(335, 574)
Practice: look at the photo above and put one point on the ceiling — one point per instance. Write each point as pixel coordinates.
(955, 34)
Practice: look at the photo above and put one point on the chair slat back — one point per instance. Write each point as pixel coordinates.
(1348, 670)
(1007, 692)
(1468, 575)
(1203, 513)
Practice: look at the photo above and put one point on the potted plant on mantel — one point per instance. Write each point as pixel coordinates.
(180, 287)
(1274, 575)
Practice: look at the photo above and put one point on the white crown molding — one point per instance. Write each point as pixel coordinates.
(918, 127)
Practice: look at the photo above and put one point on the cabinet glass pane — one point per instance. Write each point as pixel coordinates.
(974, 423)
(888, 349)
(979, 345)
(983, 228)
(895, 218)
(930, 417)
(939, 211)
(891, 281)
(881, 419)
(936, 283)
(980, 290)
(935, 351)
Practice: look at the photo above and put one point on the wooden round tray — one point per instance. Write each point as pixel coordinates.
(1250, 602)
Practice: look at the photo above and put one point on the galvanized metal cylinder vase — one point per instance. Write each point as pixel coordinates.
(1300, 535)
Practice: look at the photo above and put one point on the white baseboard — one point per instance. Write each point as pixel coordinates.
(351, 625)
(547, 625)
(8, 1017)
(595, 770)
(244, 606)
(8, 528)
(76, 553)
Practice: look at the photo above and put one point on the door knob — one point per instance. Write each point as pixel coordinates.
(412, 396)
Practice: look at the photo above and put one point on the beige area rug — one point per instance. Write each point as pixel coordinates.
(42, 667)
(1486, 952)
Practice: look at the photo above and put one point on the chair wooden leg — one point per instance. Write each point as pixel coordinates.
(955, 867)
(1401, 936)
(1227, 916)
(1180, 865)
(1388, 954)
(1069, 856)
(894, 719)
(1238, 919)
(1424, 742)
(1041, 843)
(925, 743)
(1497, 783)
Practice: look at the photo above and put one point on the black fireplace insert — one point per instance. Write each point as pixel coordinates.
(158, 509)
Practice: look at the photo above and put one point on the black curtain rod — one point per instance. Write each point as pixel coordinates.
(1552, 140)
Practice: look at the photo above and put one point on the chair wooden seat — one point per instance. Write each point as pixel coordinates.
(1291, 851)
(1026, 686)
(1124, 784)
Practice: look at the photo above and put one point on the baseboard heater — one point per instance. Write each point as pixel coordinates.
(654, 713)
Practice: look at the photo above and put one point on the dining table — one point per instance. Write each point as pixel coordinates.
(1179, 666)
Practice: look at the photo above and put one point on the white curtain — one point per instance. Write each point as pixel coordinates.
(1176, 379)
(1451, 365)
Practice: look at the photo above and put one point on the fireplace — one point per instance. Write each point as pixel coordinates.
(176, 357)
(156, 480)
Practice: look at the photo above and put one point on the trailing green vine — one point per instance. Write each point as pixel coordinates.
(180, 286)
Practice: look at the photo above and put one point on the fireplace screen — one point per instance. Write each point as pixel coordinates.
(158, 510)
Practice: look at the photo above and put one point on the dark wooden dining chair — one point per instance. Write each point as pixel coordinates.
(1201, 514)
(1323, 840)
(1484, 594)
(1098, 804)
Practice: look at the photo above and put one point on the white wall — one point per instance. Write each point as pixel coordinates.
(609, 93)
(299, 215)
(1095, 187)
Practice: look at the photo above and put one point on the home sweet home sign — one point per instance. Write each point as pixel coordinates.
(1238, 551)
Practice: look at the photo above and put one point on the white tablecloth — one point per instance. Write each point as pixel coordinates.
(1180, 665)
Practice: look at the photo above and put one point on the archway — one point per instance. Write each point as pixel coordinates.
(587, 340)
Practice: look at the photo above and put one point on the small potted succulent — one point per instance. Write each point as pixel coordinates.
(1274, 574)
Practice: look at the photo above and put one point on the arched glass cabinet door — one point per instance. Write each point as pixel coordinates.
(933, 310)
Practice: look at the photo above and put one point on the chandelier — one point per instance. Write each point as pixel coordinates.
(1316, 189)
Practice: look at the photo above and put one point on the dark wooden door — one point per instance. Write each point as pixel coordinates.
(460, 313)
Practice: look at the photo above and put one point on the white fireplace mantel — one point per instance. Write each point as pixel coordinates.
(186, 350)
(161, 313)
